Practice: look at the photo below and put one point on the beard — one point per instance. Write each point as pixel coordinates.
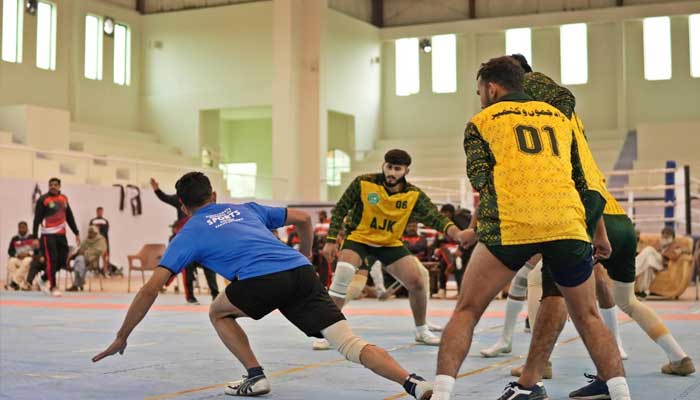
(391, 185)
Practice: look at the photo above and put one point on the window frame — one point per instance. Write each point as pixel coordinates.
(127, 55)
(99, 48)
(52, 35)
(19, 33)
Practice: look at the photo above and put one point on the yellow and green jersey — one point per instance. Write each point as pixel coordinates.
(522, 159)
(542, 88)
(377, 217)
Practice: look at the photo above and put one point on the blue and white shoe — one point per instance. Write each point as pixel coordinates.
(595, 390)
(515, 392)
(255, 386)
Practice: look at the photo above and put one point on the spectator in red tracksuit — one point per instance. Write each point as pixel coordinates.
(52, 213)
(188, 272)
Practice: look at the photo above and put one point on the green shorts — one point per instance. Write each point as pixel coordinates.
(623, 240)
(594, 204)
(386, 255)
(570, 261)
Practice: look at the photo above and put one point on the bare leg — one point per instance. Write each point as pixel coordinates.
(405, 270)
(602, 290)
(580, 301)
(550, 321)
(381, 363)
(484, 278)
(222, 315)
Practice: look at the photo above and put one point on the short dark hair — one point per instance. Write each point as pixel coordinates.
(100, 208)
(502, 71)
(669, 230)
(448, 208)
(397, 157)
(54, 179)
(22, 223)
(522, 61)
(193, 189)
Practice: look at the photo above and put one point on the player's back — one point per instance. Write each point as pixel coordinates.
(530, 196)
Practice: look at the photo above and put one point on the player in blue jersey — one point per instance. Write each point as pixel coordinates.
(235, 241)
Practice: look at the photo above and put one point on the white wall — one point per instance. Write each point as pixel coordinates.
(353, 83)
(94, 102)
(211, 58)
(615, 99)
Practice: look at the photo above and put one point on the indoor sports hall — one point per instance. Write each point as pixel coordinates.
(384, 186)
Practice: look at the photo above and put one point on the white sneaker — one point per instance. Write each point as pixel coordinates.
(423, 389)
(248, 387)
(56, 293)
(433, 327)
(321, 344)
(497, 349)
(427, 338)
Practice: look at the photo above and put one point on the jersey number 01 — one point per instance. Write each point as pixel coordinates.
(530, 142)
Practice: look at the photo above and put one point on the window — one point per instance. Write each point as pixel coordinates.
(694, 28)
(574, 54)
(337, 162)
(46, 35)
(444, 55)
(12, 30)
(240, 178)
(519, 41)
(657, 48)
(407, 69)
(122, 54)
(93, 47)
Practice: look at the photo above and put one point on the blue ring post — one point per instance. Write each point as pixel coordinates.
(670, 194)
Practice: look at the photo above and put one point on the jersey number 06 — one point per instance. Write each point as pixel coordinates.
(530, 142)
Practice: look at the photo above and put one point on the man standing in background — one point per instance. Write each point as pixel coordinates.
(52, 213)
(189, 273)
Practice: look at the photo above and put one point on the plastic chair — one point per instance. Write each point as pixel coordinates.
(145, 260)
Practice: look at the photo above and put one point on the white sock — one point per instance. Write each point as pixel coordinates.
(443, 387)
(610, 319)
(513, 308)
(618, 388)
(673, 350)
(423, 329)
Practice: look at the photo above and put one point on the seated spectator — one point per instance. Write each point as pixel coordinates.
(651, 259)
(416, 243)
(23, 248)
(448, 252)
(87, 257)
(102, 225)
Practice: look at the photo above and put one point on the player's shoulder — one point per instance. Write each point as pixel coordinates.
(409, 187)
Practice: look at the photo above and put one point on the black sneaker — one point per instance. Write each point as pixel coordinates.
(516, 392)
(14, 285)
(595, 390)
(193, 301)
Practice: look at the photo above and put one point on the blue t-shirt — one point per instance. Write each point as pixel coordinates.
(234, 240)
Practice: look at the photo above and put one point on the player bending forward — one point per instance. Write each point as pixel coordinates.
(235, 241)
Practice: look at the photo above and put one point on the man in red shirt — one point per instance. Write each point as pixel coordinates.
(52, 214)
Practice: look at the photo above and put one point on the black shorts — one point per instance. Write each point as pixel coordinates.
(569, 261)
(620, 265)
(297, 293)
(386, 255)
